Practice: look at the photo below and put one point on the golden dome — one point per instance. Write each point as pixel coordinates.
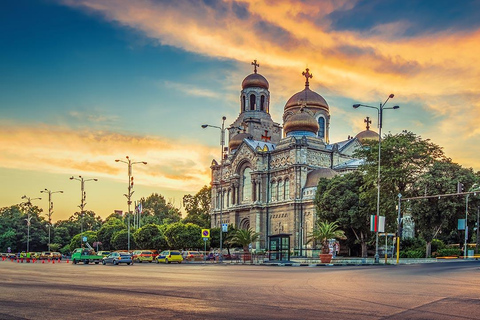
(237, 139)
(255, 80)
(300, 121)
(366, 135)
(306, 97)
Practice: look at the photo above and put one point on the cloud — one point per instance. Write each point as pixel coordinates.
(171, 164)
(191, 90)
(439, 67)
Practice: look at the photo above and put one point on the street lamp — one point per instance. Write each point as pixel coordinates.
(84, 195)
(28, 219)
(222, 143)
(474, 188)
(130, 187)
(380, 118)
(50, 211)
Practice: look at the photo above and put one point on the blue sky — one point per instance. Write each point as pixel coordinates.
(86, 82)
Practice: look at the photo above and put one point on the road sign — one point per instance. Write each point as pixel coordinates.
(9, 249)
(84, 239)
(224, 227)
(205, 239)
(206, 233)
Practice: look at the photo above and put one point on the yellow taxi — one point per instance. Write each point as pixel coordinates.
(142, 256)
(169, 256)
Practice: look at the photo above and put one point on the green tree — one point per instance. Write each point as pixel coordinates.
(198, 207)
(108, 229)
(245, 237)
(323, 231)
(341, 199)
(163, 212)
(120, 240)
(436, 216)
(405, 157)
(77, 239)
(183, 236)
(150, 236)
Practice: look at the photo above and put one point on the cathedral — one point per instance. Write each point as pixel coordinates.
(269, 173)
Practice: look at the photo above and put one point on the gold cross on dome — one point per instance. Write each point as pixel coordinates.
(368, 122)
(255, 65)
(307, 75)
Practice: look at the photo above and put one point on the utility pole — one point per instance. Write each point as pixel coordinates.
(50, 212)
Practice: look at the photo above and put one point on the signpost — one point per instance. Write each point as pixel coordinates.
(224, 227)
(206, 236)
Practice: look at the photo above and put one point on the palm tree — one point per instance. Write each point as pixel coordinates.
(323, 231)
(244, 237)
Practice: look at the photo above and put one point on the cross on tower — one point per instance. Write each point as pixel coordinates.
(266, 138)
(307, 75)
(368, 122)
(255, 65)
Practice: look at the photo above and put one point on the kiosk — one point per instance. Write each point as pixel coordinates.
(279, 247)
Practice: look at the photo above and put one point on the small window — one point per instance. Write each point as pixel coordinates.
(262, 103)
(321, 127)
(252, 102)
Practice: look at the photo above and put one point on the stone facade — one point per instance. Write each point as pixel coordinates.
(269, 177)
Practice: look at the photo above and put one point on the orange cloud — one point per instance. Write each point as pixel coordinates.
(176, 165)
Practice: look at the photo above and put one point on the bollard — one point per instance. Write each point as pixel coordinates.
(53, 261)
(67, 260)
(43, 261)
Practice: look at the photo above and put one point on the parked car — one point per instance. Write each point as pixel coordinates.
(103, 253)
(192, 256)
(117, 258)
(45, 255)
(142, 256)
(169, 256)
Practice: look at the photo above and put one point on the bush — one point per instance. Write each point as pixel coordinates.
(437, 245)
(413, 254)
(447, 252)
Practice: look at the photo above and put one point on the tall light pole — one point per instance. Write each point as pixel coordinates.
(380, 118)
(84, 195)
(28, 202)
(222, 143)
(475, 187)
(50, 211)
(130, 191)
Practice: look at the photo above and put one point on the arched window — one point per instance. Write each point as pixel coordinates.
(228, 198)
(252, 102)
(224, 196)
(247, 185)
(280, 191)
(244, 103)
(273, 191)
(321, 127)
(218, 201)
(262, 103)
(286, 188)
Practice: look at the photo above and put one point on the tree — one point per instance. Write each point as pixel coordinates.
(77, 240)
(245, 237)
(323, 231)
(341, 199)
(184, 236)
(198, 207)
(108, 229)
(150, 236)
(434, 216)
(156, 206)
(120, 240)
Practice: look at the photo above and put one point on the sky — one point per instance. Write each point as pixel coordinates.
(86, 82)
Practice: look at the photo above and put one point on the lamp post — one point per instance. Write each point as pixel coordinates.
(222, 143)
(380, 120)
(474, 188)
(84, 195)
(28, 202)
(130, 191)
(50, 211)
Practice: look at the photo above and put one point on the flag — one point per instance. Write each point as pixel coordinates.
(139, 208)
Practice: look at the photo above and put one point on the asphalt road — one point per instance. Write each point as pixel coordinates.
(448, 290)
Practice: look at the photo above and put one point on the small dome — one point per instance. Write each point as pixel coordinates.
(300, 121)
(366, 135)
(255, 80)
(314, 176)
(237, 139)
(308, 97)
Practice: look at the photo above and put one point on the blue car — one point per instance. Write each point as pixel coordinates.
(117, 258)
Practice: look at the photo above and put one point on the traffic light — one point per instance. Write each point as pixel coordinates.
(460, 187)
